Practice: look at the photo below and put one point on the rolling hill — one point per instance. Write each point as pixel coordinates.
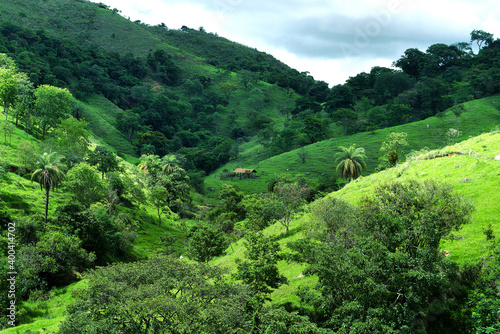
(213, 105)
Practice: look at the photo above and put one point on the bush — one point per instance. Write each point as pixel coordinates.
(205, 243)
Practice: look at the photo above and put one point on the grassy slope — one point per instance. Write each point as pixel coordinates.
(474, 175)
(481, 116)
(82, 22)
(101, 115)
(44, 316)
(86, 23)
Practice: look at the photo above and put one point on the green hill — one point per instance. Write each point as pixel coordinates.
(100, 55)
(195, 106)
(480, 116)
(471, 169)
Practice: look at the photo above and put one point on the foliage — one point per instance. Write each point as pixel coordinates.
(206, 242)
(481, 37)
(72, 140)
(380, 269)
(50, 262)
(230, 202)
(159, 197)
(452, 135)
(350, 162)
(85, 185)
(103, 159)
(260, 214)
(279, 321)
(48, 174)
(160, 295)
(27, 151)
(99, 233)
(392, 144)
(344, 116)
(51, 104)
(259, 269)
(177, 188)
(8, 90)
(484, 299)
(287, 200)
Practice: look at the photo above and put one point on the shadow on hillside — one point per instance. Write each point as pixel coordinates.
(292, 231)
(15, 201)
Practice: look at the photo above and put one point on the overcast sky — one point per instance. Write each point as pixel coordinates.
(330, 39)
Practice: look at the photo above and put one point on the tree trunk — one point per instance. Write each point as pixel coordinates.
(44, 126)
(46, 205)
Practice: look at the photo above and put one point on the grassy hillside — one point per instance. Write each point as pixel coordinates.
(44, 315)
(81, 21)
(474, 174)
(101, 114)
(481, 115)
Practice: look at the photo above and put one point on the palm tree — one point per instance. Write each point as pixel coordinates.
(350, 162)
(48, 175)
(170, 162)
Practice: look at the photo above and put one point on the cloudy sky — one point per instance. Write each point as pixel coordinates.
(330, 39)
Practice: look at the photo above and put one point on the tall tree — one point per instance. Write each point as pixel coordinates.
(394, 141)
(48, 174)
(84, 183)
(227, 89)
(7, 128)
(481, 37)
(411, 62)
(8, 90)
(379, 266)
(260, 268)
(103, 159)
(205, 243)
(72, 139)
(129, 123)
(25, 100)
(288, 199)
(315, 128)
(345, 116)
(350, 161)
(51, 104)
(159, 197)
(26, 150)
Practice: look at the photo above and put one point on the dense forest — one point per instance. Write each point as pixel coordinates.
(116, 176)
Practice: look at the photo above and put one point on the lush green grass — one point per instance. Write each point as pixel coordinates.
(8, 146)
(474, 175)
(21, 197)
(101, 114)
(151, 235)
(44, 316)
(480, 116)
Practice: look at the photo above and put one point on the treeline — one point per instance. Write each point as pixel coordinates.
(427, 83)
(84, 69)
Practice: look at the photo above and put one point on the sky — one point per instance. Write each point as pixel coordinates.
(331, 39)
